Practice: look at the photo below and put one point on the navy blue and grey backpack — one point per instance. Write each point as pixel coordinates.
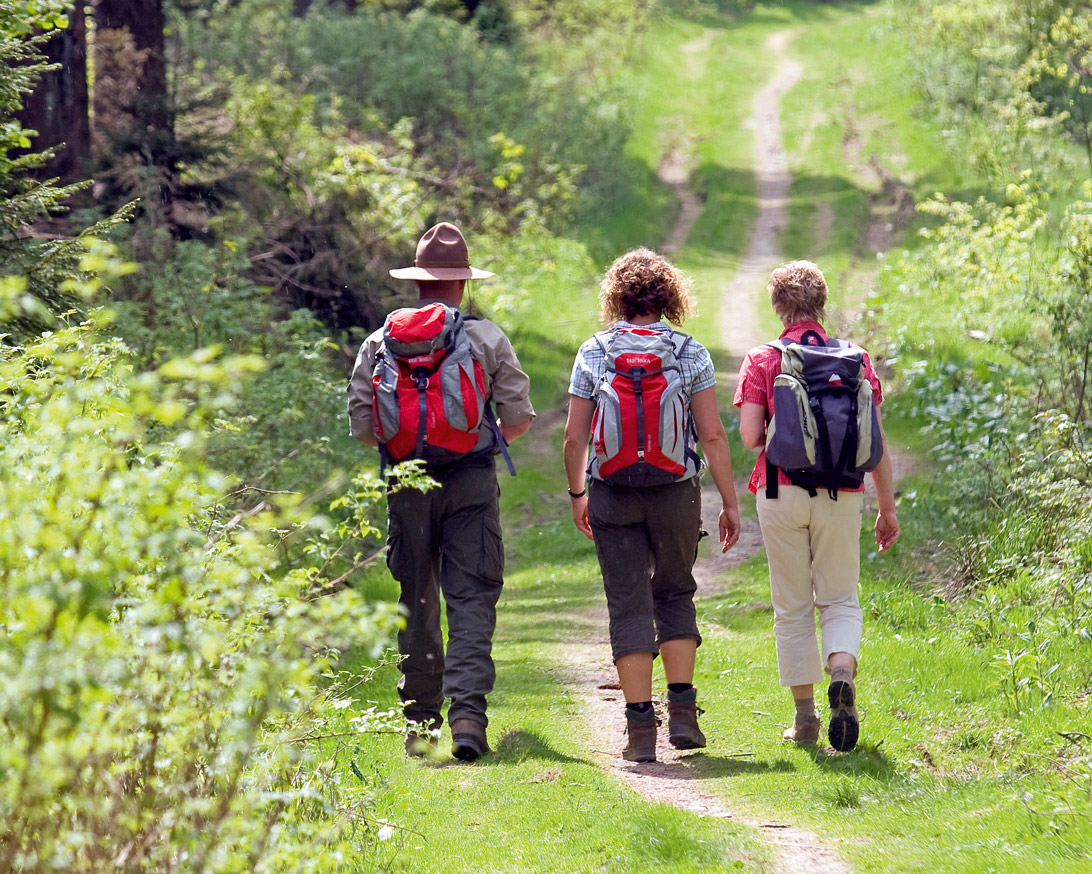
(824, 433)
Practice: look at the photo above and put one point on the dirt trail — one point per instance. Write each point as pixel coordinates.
(741, 299)
(676, 778)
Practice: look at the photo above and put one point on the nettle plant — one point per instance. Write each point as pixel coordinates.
(166, 675)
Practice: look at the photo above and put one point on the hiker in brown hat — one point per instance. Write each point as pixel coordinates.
(447, 389)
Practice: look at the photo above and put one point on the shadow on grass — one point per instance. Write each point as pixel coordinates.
(865, 760)
(706, 766)
(515, 746)
(518, 745)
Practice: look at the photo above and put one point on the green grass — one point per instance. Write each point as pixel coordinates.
(946, 778)
(938, 780)
(954, 773)
(854, 101)
(540, 803)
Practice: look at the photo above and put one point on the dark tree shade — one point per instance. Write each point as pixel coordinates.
(301, 7)
(58, 107)
(144, 21)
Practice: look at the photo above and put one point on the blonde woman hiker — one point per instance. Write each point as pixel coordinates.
(645, 395)
(810, 497)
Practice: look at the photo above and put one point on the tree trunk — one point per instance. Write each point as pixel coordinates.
(58, 107)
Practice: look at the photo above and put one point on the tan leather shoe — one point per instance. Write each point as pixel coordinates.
(640, 736)
(804, 730)
(682, 720)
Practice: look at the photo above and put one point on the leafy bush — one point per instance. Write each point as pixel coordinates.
(194, 295)
(1001, 392)
(164, 670)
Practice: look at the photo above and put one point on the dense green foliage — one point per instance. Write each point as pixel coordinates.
(178, 531)
(161, 660)
(42, 260)
(993, 333)
(1005, 386)
(164, 650)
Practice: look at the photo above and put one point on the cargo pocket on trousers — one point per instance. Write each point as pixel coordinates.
(395, 564)
(492, 551)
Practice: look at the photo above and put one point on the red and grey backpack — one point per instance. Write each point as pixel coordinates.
(642, 430)
(428, 391)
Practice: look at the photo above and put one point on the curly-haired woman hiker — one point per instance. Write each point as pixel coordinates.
(644, 393)
(812, 529)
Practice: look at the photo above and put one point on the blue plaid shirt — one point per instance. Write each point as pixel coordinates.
(590, 366)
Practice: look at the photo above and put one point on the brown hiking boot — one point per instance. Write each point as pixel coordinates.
(682, 720)
(804, 729)
(641, 736)
(468, 742)
(422, 739)
(845, 725)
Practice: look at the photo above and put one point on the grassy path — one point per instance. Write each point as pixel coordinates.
(942, 781)
(677, 778)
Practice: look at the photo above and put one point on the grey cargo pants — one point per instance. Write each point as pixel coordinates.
(447, 540)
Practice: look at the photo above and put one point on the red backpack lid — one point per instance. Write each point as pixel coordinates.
(417, 325)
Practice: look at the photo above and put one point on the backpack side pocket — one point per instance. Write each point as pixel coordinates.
(792, 442)
(607, 424)
(869, 439)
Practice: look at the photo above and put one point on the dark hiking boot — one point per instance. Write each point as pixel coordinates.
(804, 729)
(682, 720)
(421, 743)
(468, 743)
(845, 726)
(640, 736)
(422, 737)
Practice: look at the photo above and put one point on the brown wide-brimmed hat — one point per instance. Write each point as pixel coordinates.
(441, 254)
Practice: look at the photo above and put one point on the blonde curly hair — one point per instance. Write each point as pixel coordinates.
(642, 283)
(798, 292)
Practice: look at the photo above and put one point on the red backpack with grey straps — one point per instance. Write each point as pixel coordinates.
(642, 430)
(428, 391)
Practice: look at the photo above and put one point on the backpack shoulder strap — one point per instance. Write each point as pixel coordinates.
(491, 422)
(674, 336)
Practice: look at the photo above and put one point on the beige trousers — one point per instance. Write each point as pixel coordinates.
(813, 547)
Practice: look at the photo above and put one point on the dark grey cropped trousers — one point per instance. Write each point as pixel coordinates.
(647, 542)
